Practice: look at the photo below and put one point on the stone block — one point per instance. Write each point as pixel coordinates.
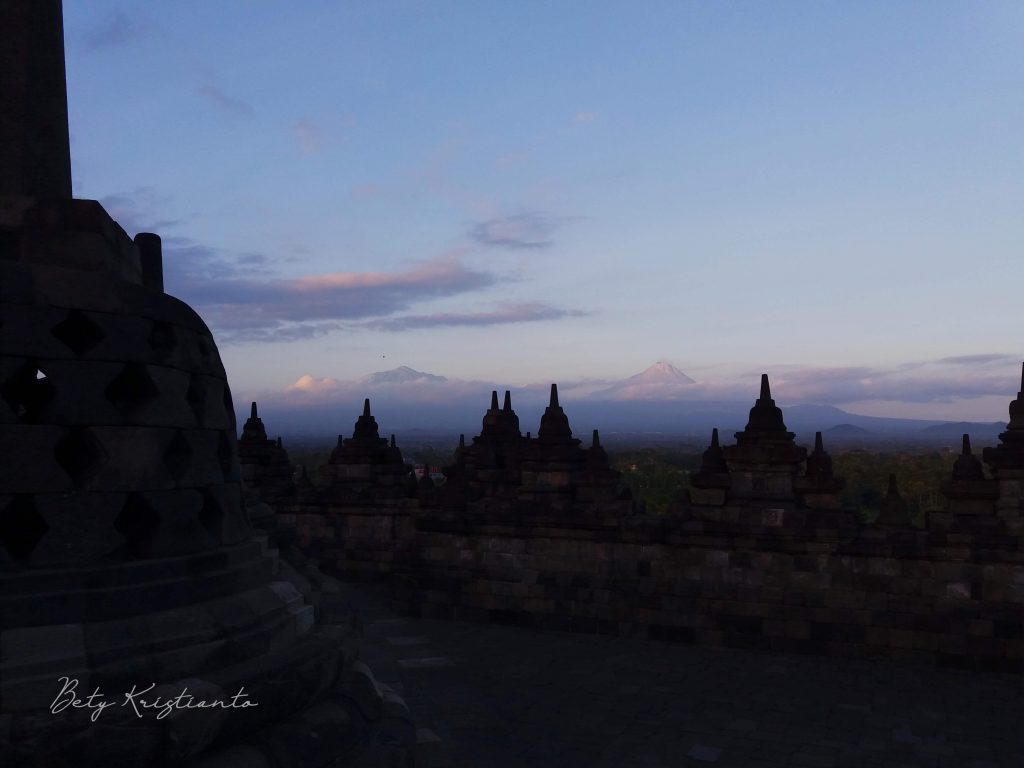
(359, 685)
(66, 542)
(52, 649)
(41, 475)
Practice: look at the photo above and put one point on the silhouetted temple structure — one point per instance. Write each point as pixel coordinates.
(366, 467)
(1007, 459)
(761, 552)
(503, 472)
(126, 553)
(264, 462)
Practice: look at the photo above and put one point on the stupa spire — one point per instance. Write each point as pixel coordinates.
(765, 416)
(507, 406)
(713, 460)
(253, 428)
(819, 477)
(595, 441)
(35, 150)
(1009, 454)
(494, 399)
(366, 425)
(554, 424)
(967, 466)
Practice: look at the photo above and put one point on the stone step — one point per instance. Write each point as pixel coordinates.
(430, 751)
(87, 602)
(165, 643)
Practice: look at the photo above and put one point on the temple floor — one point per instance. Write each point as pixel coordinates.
(506, 696)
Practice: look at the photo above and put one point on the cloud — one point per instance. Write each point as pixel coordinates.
(944, 380)
(228, 105)
(308, 136)
(117, 29)
(586, 117)
(995, 357)
(520, 231)
(504, 314)
(243, 303)
(133, 210)
(242, 298)
(308, 384)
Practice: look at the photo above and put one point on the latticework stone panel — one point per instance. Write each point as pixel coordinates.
(115, 408)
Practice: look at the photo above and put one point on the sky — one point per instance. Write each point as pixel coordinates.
(530, 192)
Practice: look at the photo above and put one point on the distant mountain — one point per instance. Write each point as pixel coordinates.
(659, 382)
(846, 430)
(953, 430)
(401, 375)
(658, 403)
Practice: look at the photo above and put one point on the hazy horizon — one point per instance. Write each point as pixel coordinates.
(530, 193)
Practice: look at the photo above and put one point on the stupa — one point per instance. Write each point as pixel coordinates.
(1006, 460)
(764, 462)
(366, 468)
(266, 469)
(126, 556)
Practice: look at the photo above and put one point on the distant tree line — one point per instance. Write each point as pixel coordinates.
(658, 476)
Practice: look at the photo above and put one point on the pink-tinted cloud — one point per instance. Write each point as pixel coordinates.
(243, 309)
(309, 384)
(240, 297)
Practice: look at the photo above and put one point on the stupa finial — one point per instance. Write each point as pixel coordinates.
(35, 150)
(554, 396)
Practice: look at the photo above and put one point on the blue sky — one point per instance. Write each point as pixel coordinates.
(532, 191)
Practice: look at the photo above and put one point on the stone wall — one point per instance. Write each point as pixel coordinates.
(820, 585)
(355, 543)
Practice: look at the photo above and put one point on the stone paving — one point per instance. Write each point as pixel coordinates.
(505, 696)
